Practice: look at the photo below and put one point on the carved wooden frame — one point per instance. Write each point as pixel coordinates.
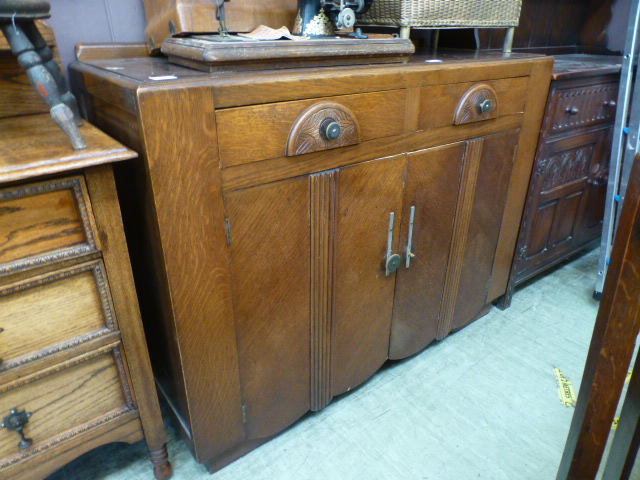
(128, 408)
(305, 134)
(467, 110)
(97, 269)
(77, 186)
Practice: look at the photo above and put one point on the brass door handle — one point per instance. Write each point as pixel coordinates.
(410, 254)
(16, 421)
(392, 260)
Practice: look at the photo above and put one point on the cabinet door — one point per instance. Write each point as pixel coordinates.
(269, 233)
(363, 294)
(559, 215)
(590, 226)
(432, 184)
(485, 184)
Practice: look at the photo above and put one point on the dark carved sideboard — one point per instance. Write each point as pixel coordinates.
(291, 230)
(566, 197)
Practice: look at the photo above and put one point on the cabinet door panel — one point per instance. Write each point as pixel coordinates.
(494, 174)
(366, 195)
(591, 222)
(270, 274)
(565, 221)
(433, 180)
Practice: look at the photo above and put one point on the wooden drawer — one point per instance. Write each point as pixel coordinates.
(258, 132)
(583, 106)
(439, 104)
(53, 312)
(63, 401)
(44, 222)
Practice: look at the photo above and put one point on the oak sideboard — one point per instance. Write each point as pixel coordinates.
(293, 229)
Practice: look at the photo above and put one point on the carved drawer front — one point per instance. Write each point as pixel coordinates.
(51, 407)
(583, 106)
(50, 313)
(463, 103)
(259, 132)
(44, 222)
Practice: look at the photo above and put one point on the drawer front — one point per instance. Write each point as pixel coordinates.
(440, 105)
(583, 106)
(53, 312)
(259, 132)
(44, 222)
(63, 402)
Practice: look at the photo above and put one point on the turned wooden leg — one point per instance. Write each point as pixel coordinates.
(42, 81)
(46, 55)
(162, 468)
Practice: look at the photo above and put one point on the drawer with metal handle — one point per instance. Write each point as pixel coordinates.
(57, 405)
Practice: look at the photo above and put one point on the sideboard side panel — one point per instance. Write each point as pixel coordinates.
(527, 142)
(182, 166)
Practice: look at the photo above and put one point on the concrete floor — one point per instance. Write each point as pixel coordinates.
(482, 404)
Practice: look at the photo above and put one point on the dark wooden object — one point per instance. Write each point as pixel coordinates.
(565, 202)
(611, 349)
(263, 275)
(206, 54)
(72, 345)
(17, 23)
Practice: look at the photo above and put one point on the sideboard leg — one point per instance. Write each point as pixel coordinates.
(162, 468)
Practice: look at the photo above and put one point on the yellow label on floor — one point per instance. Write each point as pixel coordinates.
(565, 389)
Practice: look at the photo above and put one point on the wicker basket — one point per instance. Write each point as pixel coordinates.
(444, 13)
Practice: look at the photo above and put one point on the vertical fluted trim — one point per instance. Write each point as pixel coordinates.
(323, 204)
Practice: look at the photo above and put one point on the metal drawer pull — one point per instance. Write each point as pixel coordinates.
(572, 110)
(392, 260)
(17, 420)
(410, 254)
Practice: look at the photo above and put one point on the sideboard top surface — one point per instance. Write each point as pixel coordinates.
(33, 145)
(264, 86)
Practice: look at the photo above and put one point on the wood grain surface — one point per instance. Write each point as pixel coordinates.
(90, 391)
(270, 249)
(33, 145)
(612, 346)
(419, 288)
(190, 224)
(53, 312)
(40, 223)
(366, 195)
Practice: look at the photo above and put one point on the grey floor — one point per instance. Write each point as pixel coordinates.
(482, 404)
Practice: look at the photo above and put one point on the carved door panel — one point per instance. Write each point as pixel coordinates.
(591, 222)
(561, 177)
(366, 196)
(431, 191)
(269, 256)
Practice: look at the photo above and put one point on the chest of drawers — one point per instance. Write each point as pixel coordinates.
(300, 227)
(74, 368)
(566, 198)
